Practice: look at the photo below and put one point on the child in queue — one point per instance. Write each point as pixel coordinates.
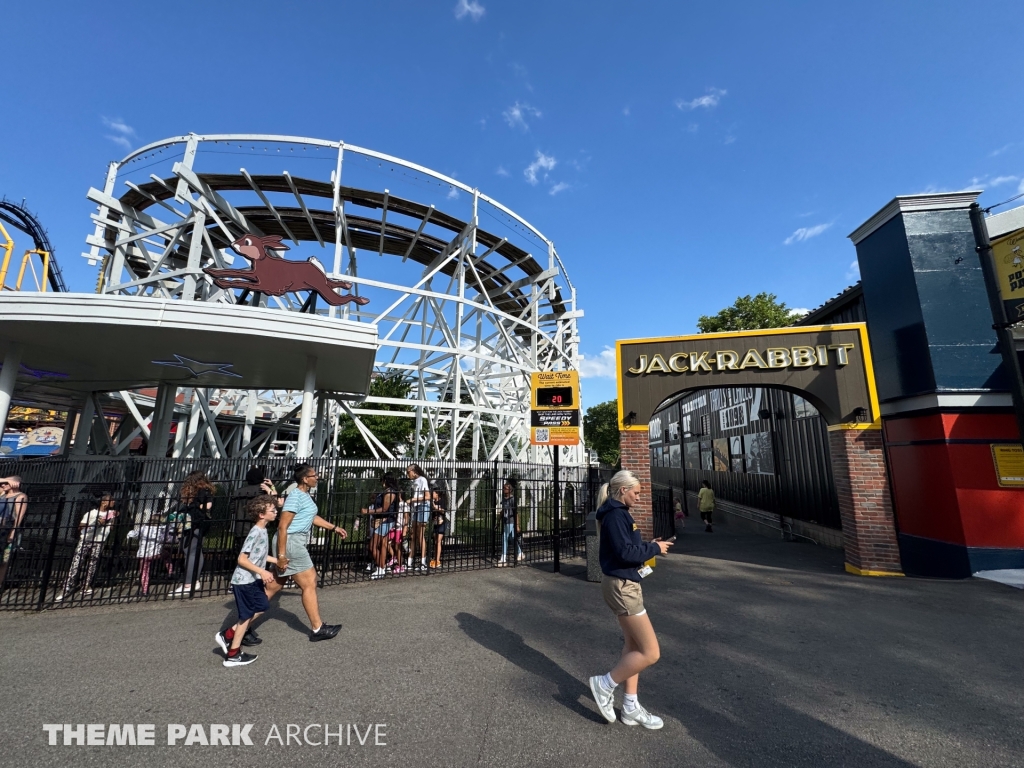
(439, 505)
(93, 530)
(152, 537)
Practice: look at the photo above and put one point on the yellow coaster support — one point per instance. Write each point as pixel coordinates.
(8, 245)
(41, 283)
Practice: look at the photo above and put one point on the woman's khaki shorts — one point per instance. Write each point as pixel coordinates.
(624, 597)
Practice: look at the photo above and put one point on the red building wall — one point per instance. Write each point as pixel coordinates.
(952, 516)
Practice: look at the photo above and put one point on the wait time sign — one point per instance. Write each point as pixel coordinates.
(555, 408)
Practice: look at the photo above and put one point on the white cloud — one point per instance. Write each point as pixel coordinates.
(453, 193)
(806, 233)
(559, 187)
(708, 101)
(1000, 151)
(520, 71)
(119, 125)
(625, 111)
(516, 115)
(853, 273)
(600, 367)
(729, 139)
(123, 133)
(469, 8)
(985, 182)
(501, 171)
(541, 163)
(121, 141)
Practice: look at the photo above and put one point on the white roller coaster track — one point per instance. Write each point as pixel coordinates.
(481, 315)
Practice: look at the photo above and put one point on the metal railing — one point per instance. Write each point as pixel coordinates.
(65, 554)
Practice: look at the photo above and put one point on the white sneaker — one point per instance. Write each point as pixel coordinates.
(605, 700)
(641, 716)
(59, 598)
(380, 573)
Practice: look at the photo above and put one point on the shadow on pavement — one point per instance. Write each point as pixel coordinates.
(743, 547)
(798, 741)
(511, 647)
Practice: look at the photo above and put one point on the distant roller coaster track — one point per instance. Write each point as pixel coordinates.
(19, 217)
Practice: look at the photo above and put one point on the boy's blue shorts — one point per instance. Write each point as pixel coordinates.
(250, 599)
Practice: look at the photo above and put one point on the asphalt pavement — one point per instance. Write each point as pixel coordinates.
(771, 656)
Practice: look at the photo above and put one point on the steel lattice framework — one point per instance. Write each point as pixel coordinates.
(470, 317)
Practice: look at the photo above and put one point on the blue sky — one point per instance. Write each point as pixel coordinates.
(682, 154)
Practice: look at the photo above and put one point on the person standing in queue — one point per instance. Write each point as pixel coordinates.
(623, 554)
(13, 505)
(509, 522)
(383, 516)
(197, 509)
(298, 517)
(420, 515)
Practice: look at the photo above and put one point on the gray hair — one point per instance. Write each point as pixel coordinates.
(621, 481)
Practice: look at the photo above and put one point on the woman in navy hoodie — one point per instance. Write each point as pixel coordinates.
(622, 555)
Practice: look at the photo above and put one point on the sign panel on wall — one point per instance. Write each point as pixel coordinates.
(1009, 464)
(1008, 254)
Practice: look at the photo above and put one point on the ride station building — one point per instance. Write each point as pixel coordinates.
(881, 422)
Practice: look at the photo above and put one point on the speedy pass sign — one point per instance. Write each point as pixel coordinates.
(555, 408)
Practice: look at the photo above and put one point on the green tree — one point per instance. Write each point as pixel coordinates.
(395, 432)
(749, 312)
(601, 431)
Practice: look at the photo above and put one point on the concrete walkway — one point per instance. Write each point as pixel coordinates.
(771, 656)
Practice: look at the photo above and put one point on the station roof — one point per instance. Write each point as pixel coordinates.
(74, 343)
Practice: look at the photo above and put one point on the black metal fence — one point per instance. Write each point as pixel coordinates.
(663, 509)
(67, 553)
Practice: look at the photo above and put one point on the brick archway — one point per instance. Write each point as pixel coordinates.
(831, 364)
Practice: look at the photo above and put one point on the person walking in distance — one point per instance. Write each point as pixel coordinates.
(249, 581)
(706, 505)
(420, 514)
(623, 554)
(509, 521)
(298, 517)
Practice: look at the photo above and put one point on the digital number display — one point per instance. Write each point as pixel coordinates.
(555, 397)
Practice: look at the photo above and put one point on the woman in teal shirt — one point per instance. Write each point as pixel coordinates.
(297, 519)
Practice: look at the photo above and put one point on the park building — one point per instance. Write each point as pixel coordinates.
(764, 450)
(883, 422)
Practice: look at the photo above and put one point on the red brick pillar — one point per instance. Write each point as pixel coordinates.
(635, 455)
(865, 504)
